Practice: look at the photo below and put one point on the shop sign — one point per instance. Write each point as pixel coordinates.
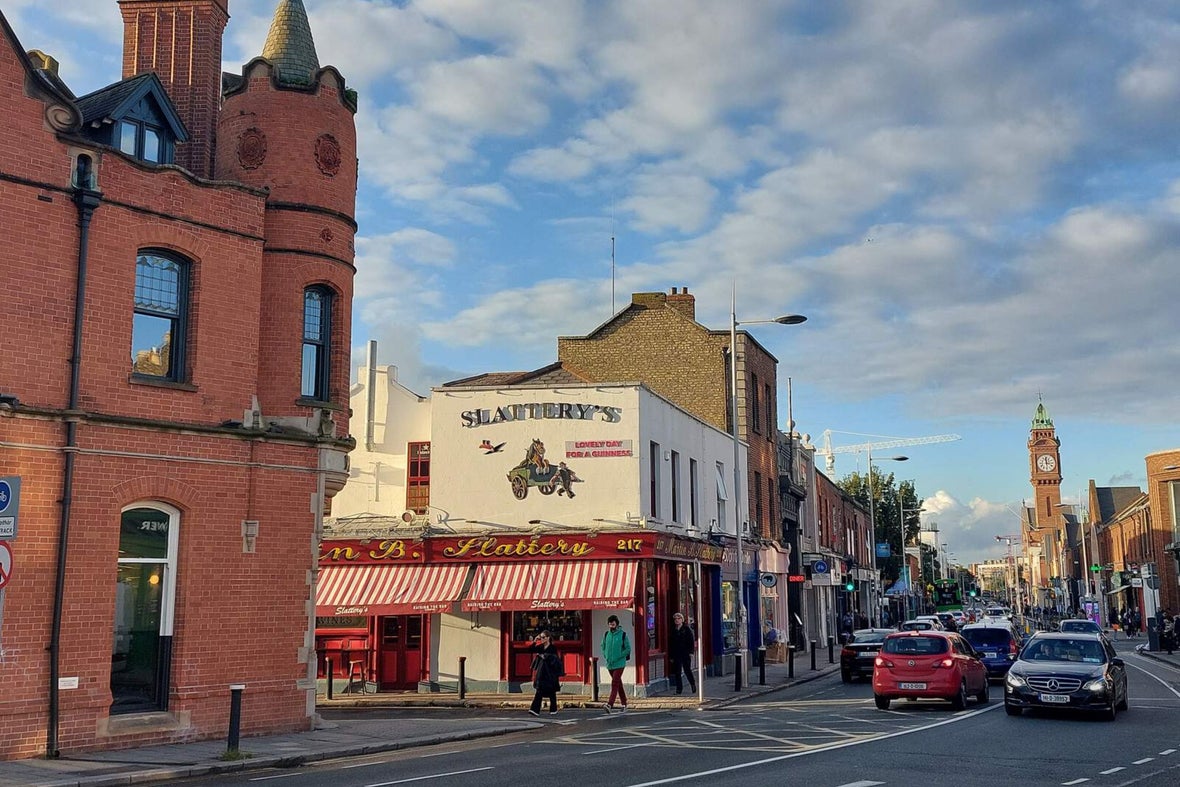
(353, 552)
(796, 578)
(667, 545)
(484, 547)
(568, 411)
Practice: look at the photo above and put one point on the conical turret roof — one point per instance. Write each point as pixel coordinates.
(1041, 419)
(289, 45)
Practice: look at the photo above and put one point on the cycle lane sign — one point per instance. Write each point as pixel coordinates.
(9, 506)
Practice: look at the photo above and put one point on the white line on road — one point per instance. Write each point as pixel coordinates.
(1075, 781)
(431, 776)
(1144, 760)
(619, 748)
(1166, 752)
(1109, 771)
(279, 776)
(861, 784)
(1153, 676)
(817, 750)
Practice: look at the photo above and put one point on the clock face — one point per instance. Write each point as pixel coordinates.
(1046, 462)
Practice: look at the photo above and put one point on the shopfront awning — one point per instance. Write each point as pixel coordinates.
(583, 584)
(1119, 589)
(388, 590)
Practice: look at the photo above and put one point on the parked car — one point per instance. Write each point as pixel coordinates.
(1067, 671)
(997, 642)
(928, 664)
(859, 653)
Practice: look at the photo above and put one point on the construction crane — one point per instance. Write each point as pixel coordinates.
(829, 452)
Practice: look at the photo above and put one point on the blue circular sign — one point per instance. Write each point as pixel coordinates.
(5, 495)
(819, 567)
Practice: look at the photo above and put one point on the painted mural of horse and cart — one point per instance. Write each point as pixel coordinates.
(536, 470)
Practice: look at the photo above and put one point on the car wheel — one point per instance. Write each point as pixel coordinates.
(984, 695)
(882, 702)
(1012, 710)
(1123, 702)
(959, 701)
(1111, 712)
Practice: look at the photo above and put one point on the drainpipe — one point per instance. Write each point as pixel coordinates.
(87, 199)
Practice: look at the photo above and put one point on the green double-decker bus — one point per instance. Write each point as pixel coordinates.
(948, 595)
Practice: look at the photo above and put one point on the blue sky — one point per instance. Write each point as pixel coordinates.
(975, 203)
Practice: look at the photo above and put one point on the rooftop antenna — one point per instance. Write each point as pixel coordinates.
(612, 260)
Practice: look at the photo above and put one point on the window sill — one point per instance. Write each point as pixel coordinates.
(304, 401)
(159, 382)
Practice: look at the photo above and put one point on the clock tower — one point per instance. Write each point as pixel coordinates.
(1044, 461)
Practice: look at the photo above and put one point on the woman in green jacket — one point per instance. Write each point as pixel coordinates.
(616, 651)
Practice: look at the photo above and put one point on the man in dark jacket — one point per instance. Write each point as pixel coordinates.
(547, 673)
(681, 645)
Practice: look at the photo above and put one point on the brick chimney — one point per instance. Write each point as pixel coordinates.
(683, 302)
(180, 40)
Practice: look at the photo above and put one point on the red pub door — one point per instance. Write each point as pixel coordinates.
(399, 654)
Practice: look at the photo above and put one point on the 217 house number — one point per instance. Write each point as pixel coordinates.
(630, 545)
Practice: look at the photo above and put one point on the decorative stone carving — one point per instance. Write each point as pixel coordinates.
(327, 154)
(251, 148)
(326, 235)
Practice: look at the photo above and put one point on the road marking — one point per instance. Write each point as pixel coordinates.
(817, 750)
(1109, 771)
(1166, 752)
(265, 778)
(861, 784)
(431, 776)
(1075, 781)
(619, 748)
(1153, 676)
(1144, 760)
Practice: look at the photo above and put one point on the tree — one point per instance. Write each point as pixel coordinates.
(887, 515)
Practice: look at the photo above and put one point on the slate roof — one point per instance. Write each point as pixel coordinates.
(553, 374)
(114, 101)
(289, 45)
(1114, 499)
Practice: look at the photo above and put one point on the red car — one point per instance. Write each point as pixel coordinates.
(928, 664)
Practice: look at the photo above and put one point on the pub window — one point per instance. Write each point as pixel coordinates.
(418, 478)
(145, 592)
(675, 486)
(694, 491)
(722, 521)
(769, 402)
(650, 599)
(729, 614)
(317, 348)
(159, 324)
(758, 509)
(563, 625)
(654, 469)
(755, 406)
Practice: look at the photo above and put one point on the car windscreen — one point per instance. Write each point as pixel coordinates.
(916, 625)
(1079, 625)
(915, 646)
(862, 637)
(983, 638)
(1086, 651)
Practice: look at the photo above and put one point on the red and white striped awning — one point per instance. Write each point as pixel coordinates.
(580, 584)
(388, 590)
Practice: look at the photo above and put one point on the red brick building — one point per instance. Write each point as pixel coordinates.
(174, 388)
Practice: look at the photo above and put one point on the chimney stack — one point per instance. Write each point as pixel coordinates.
(180, 40)
(683, 302)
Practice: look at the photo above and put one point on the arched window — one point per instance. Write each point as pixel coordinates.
(145, 593)
(159, 327)
(317, 344)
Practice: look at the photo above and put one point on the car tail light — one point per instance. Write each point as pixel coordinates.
(948, 663)
(882, 662)
(1013, 648)
(847, 653)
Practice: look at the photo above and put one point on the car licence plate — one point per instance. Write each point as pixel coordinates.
(1062, 699)
(916, 686)
(989, 655)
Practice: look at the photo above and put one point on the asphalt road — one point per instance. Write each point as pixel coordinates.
(821, 734)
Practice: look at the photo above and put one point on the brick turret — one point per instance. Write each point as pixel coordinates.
(180, 40)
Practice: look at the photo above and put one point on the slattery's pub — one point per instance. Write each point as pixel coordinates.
(550, 508)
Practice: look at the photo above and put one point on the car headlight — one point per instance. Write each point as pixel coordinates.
(1014, 679)
(1099, 684)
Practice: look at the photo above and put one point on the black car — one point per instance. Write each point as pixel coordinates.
(1067, 671)
(859, 653)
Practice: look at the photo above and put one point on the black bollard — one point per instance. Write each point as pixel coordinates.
(462, 677)
(737, 672)
(813, 655)
(235, 717)
(831, 654)
(762, 666)
(328, 671)
(594, 678)
(791, 660)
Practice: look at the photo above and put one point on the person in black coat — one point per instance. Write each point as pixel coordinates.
(681, 644)
(546, 673)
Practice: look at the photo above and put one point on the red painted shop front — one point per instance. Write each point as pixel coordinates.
(374, 598)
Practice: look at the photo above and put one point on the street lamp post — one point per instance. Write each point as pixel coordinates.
(739, 515)
(874, 599)
(905, 562)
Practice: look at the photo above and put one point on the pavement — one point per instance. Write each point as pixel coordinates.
(344, 736)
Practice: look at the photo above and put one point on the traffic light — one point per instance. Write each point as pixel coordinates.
(971, 592)
(850, 586)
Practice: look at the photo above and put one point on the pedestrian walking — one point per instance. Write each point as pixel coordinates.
(1168, 632)
(616, 652)
(681, 645)
(547, 672)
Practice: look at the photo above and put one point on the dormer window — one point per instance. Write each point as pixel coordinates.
(141, 140)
